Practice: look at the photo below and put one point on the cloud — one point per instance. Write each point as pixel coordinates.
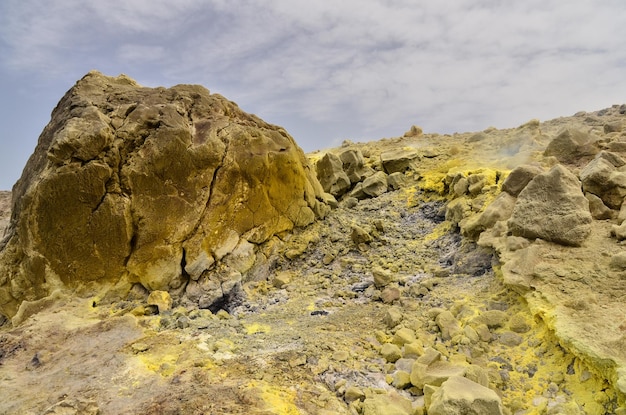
(372, 67)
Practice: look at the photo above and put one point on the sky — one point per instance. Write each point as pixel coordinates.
(325, 70)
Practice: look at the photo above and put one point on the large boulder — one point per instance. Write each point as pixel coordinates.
(354, 165)
(461, 396)
(552, 207)
(149, 185)
(331, 175)
(602, 178)
(399, 160)
(519, 178)
(572, 146)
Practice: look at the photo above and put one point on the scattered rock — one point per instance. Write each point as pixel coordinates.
(461, 396)
(598, 209)
(392, 317)
(414, 131)
(387, 404)
(493, 318)
(400, 160)
(354, 393)
(612, 127)
(448, 325)
(331, 175)
(396, 180)
(509, 338)
(161, 299)
(519, 324)
(434, 374)
(390, 352)
(519, 177)
(382, 277)
(500, 209)
(390, 294)
(403, 336)
(282, 278)
(376, 184)
(354, 165)
(618, 261)
(601, 178)
(360, 235)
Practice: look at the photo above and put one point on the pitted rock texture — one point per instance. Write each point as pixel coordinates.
(150, 185)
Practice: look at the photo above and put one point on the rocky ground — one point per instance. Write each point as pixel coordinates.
(389, 305)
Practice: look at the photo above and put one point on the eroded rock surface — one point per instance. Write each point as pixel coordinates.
(422, 296)
(150, 185)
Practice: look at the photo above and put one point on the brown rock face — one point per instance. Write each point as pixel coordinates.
(151, 185)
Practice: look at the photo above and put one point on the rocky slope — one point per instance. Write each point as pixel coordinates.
(468, 273)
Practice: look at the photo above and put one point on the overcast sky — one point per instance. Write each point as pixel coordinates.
(324, 70)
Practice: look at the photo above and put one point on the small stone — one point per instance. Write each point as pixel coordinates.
(390, 294)
(382, 277)
(182, 322)
(429, 356)
(341, 355)
(390, 352)
(618, 261)
(404, 364)
(448, 325)
(161, 299)
(140, 347)
(403, 336)
(401, 379)
(223, 315)
(360, 235)
(413, 350)
(519, 324)
(387, 404)
(483, 332)
(509, 338)
(354, 393)
(471, 334)
(392, 317)
(493, 318)
(299, 360)
(434, 374)
(282, 278)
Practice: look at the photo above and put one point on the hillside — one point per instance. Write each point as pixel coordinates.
(439, 274)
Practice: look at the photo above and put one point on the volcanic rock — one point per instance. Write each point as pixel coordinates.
(354, 165)
(460, 396)
(552, 207)
(602, 178)
(151, 185)
(399, 160)
(519, 178)
(331, 175)
(572, 146)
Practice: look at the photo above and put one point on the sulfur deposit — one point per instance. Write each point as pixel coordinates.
(168, 253)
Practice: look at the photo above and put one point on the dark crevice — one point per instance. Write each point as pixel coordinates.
(202, 216)
(229, 301)
(186, 277)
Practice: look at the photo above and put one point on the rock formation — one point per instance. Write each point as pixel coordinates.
(473, 273)
(152, 186)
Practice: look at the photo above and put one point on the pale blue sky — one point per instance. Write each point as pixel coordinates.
(325, 70)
